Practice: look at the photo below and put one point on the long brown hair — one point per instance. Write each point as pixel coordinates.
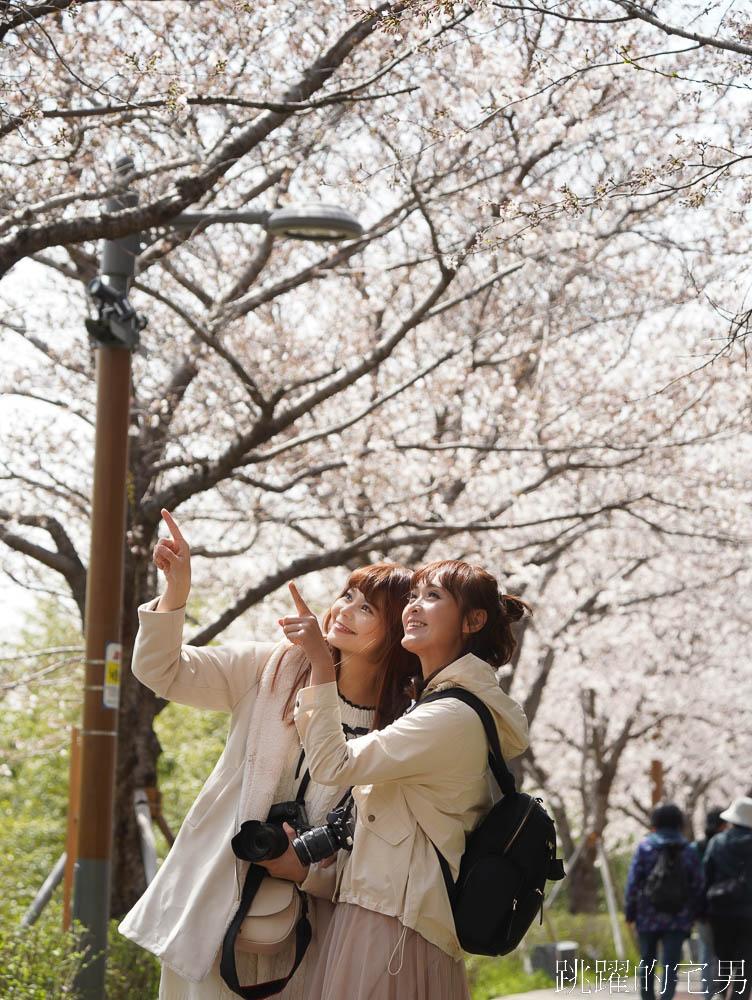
(475, 589)
(387, 586)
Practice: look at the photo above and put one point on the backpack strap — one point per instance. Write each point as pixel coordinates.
(496, 762)
(499, 769)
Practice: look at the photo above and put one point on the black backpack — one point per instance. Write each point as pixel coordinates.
(507, 860)
(666, 888)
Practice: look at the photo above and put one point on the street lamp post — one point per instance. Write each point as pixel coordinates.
(115, 334)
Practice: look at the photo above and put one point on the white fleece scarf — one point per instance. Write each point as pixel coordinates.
(270, 737)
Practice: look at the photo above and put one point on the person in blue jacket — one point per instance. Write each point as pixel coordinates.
(655, 927)
(728, 878)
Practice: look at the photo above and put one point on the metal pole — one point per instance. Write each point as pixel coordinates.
(146, 834)
(613, 910)
(104, 591)
(42, 898)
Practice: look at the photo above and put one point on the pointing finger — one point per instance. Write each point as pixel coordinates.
(300, 605)
(171, 523)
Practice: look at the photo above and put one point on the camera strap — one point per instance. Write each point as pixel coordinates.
(254, 877)
(227, 966)
(347, 796)
(304, 783)
(301, 758)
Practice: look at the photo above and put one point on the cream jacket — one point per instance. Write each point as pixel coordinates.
(184, 913)
(421, 781)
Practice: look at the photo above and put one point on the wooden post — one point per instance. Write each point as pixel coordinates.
(656, 781)
(115, 337)
(71, 836)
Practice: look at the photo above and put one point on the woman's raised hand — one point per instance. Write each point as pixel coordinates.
(303, 630)
(173, 557)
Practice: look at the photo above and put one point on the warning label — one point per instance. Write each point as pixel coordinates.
(111, 693)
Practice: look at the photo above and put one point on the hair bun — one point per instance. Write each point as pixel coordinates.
(513, 607)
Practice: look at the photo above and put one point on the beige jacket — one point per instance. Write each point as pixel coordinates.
(183, 915)
(421, 781)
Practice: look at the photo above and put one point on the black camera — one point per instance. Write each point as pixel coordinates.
(257, 841)
(322, 841)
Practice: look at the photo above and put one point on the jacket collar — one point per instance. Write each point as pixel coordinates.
(475, 675)
(457, 672)
(665, 835)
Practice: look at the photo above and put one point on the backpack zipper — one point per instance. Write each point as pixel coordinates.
(521, 824)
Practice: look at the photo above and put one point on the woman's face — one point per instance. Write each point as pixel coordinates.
(356, 625)
(433, 624)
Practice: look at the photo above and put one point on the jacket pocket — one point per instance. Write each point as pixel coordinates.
(384, 813)
(220, 794)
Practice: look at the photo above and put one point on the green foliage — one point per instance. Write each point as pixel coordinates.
(35, 725)
(41, 963)
(131, 971)
(496, 977)
(592, 931)
(41, 705)
(37, 963)
(33, 806)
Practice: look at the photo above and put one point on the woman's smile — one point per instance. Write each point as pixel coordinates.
(414, 623)
(433, 625)
(355, 625)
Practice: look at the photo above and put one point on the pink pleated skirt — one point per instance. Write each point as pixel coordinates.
(369, 956)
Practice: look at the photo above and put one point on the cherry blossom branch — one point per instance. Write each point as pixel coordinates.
(191, 186)
(27, 13)
(64, 559)
(635, 10)
(218, 100)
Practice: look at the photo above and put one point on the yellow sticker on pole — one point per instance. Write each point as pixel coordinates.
(113, 652)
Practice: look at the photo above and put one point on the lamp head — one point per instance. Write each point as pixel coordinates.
(322, 223)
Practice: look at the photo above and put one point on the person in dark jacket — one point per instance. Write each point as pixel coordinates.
(728, 861)
(654, 926)
(706, 957)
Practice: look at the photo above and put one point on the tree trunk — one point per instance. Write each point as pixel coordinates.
(138, 748)
(583, 881)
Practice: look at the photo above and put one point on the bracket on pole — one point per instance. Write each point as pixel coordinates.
(117, 323)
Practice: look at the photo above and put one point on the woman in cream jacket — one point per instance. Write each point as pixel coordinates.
(422, 784)
(183, 915)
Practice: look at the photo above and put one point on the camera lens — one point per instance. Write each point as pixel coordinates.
(258, 841)
(314, 845)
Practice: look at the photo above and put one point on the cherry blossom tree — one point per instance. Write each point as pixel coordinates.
(496, 369)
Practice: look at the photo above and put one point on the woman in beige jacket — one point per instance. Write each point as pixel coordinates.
(422, 784)
(183, 915)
